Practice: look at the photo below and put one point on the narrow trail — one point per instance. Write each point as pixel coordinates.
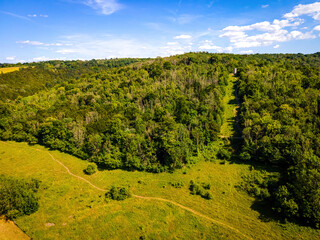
(69, 172)
(148, 198)
(231, 127)
(237, 110)
(195, 213)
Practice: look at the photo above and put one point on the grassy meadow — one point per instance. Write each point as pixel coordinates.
(229, 101)
(71, 209)
(9, 69)
(9, 231)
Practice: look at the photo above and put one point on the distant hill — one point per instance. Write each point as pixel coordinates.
(34, 77)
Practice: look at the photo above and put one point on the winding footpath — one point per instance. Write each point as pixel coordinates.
(150, 198)
(70, 173)
(225, 225)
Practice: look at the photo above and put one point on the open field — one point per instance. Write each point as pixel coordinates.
(9, 69)
(71, 208)
(9, 231)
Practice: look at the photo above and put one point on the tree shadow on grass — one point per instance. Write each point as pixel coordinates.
(267, 214)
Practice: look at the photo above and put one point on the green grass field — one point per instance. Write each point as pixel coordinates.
(71, 209)
(228, 127)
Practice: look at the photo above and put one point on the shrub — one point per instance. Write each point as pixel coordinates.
(224, 154)
(176, 184)
(258, 183)
(118, 193)
(91, 169)
(208, 196)
(206, 185)
(18, 197)
(200, 189)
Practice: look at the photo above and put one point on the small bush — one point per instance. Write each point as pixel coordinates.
(206, 185)
(223, 154)
(200, 189)
(258, 183)
(118, 193)
(245, 156)
(176, 184)
(91, 169)
(208, 196)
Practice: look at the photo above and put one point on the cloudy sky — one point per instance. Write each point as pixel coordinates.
(36, 30)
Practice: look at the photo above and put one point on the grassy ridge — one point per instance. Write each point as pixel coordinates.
(76, 209)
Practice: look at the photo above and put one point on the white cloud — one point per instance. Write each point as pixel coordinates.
(88, 47)
(266, 33)
(209, 45)
(183, 36)
(34, 43)
(172, 43)
(312, 10)
(15, 15)
(39, 59)
(316, 28)
(265, 6)
(276, 46)
(234, 34)
(267, 39)
(11, 58)
(67, 51)
(106, 7)
(265, 26)
(299, 35)
(247, 52)
(35, 15)
(37, 43)
(185, 18)
(228, 49)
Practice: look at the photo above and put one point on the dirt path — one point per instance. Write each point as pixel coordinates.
(152, 198)
(149, 198)
(69, 172)
(194, 212)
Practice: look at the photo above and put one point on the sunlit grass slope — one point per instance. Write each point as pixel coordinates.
(9, 231)
(9, 69)
(71, 209)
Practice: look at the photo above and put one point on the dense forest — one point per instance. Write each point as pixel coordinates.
(33, 77)
(149, 116)
(159, 114)
(280, 114)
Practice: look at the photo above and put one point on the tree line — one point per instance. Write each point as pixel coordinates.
(152, 115)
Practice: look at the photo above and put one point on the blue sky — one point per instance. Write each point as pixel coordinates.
(37, 30)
